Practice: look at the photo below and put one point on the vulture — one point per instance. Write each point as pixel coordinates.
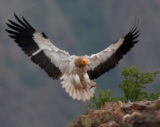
(75, 72)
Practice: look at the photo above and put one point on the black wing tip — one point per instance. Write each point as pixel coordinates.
(135, 31)
(15, 15)
(7, 30)
(133, 35)
(10, 21)
(20, 23)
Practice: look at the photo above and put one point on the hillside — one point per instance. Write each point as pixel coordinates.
(137, 114)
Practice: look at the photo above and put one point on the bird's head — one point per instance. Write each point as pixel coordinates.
(81, 61)
(84, 61)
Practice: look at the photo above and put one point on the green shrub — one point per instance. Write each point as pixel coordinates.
(132, 85)
(103, 96)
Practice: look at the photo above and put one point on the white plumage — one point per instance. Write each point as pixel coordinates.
(75, 72)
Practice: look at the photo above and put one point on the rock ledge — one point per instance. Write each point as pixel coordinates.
(131, 114)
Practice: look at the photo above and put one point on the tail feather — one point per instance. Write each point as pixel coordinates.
(78, 92)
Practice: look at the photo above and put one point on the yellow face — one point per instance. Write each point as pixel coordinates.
(84, 62)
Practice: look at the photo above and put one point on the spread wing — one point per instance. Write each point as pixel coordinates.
(38, 47)
(109, 57)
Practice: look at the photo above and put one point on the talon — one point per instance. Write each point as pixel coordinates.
(92, 84)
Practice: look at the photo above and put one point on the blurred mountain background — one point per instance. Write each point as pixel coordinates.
(28, 97)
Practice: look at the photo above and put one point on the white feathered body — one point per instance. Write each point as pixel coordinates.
(72, 82)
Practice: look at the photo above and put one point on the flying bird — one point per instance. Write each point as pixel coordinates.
(75, 72)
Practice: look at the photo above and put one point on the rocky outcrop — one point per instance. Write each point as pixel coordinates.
(131, 114)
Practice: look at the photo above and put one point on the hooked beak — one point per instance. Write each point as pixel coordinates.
(84, 62)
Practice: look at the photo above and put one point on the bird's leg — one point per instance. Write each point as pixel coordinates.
(92, 84)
